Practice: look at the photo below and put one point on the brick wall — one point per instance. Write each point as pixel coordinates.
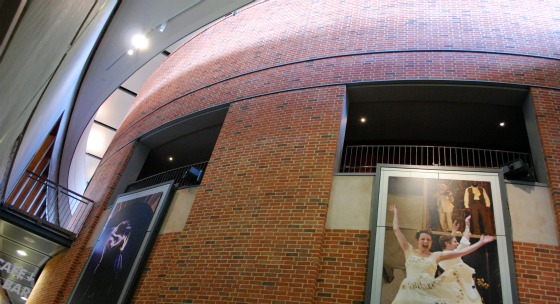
(536, 268)
(256, 230)
(343, 269)
(301, 43)
(256, 227)
(547, 111)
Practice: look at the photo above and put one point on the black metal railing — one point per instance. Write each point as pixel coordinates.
(364, 158)
(44, 200)
(186, 176)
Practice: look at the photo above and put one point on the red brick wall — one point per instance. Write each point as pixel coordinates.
(343, 269)
(277, 45)
(547, 111)
(256, 227)
(536, 268)
(256, 230)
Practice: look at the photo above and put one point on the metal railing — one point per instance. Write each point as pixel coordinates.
(364, 159)
(186, 176)
(44, 200)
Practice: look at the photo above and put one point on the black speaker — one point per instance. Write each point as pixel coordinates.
(516, 169)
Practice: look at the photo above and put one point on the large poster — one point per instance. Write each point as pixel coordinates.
(439, 236)
(118, 252)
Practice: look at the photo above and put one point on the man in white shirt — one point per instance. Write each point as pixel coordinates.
(478, 203)
(445, 207)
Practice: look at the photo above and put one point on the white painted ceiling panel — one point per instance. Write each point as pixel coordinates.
(99, 139)
(91, 165)
(115, 108)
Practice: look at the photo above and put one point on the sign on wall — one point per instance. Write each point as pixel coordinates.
(413, 210)
(121, 247)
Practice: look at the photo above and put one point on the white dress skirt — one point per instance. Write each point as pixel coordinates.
(420, 286)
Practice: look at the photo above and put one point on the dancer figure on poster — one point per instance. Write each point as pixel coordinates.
(465, 272)
(445, 206)
(110, 263)
(420, 286)
(478, 203)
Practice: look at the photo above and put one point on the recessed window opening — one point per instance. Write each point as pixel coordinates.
(180, 151)
(435, 124)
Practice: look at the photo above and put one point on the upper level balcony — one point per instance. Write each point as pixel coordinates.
(38, 220)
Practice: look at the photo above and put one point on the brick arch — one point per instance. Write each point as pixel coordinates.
(340, 70)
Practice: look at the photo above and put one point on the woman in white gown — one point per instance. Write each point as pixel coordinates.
(420, 286)
(465, 272)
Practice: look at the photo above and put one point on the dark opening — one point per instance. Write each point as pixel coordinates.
(445, 116)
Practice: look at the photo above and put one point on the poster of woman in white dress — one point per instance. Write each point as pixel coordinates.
(411, 265)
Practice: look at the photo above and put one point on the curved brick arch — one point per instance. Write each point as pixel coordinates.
(353, 41)
(339, 70)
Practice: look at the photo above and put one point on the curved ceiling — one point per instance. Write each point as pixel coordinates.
(114, 78)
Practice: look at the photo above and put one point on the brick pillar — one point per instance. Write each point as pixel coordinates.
(547, 111)
(256, 227)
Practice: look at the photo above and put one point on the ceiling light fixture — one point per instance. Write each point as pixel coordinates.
(162, 27)
(139, 41)
(170, 158)
(363, 120)
(21, 252)
(502, 124)
(130, 52)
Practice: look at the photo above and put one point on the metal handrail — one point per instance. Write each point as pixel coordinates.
(364, 158)
(186, 176)
(45, 200)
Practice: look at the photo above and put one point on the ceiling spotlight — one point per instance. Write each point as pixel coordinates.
(130, 52)
(363, 120)
(170, 158)
(21, 252)
(502, 124)
(162, 27)
(139, 41)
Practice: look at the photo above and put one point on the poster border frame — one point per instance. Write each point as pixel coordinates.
(376, 252)
(151, 233)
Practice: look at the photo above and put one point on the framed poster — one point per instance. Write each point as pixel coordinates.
(407, 263)
(122, 246)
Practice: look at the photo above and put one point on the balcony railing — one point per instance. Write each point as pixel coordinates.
(186, 176)
(364, 159)
(45, 201)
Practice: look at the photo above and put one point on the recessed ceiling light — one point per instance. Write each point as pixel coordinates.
(21, 252)
(363, 120)
(170, 158)
(139, 41)
(130, 52)
(502, 124)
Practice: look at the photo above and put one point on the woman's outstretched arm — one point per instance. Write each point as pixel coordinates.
(400, 236)
(446, 255)
(467, 232)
